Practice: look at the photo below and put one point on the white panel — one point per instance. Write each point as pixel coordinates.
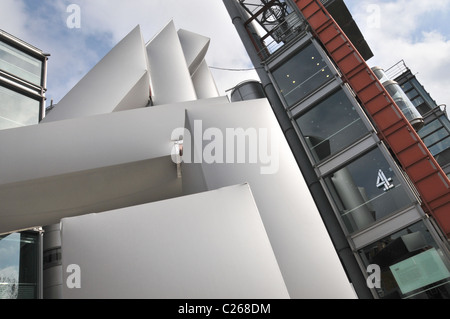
(194, 47)
(138, 95)
(45, 201)
(305, 253)
(178, 249)
(72, 167)
(170, 77)
(68, 146)
(204, 83)
(106, 85)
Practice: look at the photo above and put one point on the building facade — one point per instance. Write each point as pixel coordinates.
(23, 72)
(436, 130)
(316, 82)
(148, 184)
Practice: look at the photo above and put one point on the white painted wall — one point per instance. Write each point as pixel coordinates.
(208, 245)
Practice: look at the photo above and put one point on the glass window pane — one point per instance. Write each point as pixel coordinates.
(412, 94)
(20, 64)
(302, 74)
(421, 106)
(366, 190)
(443, 158)
(331, 125)
(19, 265)
(445, 121)
(429, 128)
(411, 265)
(406, 86)
(435, 137)
(439, 147)
(17, 109)
(426, 96)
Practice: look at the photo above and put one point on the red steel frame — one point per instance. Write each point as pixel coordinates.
(394, 129)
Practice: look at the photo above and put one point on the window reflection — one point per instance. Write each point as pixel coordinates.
(17, 109)
(366, 190)
(331, 125)
(436, 136)
(411, 264)
(20, 64)
(19, 265)
(302, 74)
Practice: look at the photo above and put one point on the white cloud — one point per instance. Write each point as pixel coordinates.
(402, 33)
(408, 30)
(206, 17)
(12, 18)
(105, 22)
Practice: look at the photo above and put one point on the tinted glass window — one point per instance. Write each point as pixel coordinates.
(19, 265)
(305, 72)
(331, 125)
(411, 265)
(20, 64)
(17, 109)
(366, 190)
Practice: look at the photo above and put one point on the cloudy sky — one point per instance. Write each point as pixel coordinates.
(416, 31)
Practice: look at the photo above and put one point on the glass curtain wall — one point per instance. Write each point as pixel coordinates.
(302, 74)
(412, 265)
(418, 96)
(331, 125)
(436, 136)
(20, 64)
(366, 190)
(19, 265)
(17, 109)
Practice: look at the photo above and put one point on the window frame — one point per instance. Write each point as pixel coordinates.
(29, 94)
(410, 212)
(288, 54)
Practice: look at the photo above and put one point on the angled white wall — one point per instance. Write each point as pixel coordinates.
(195, 47)
(91, 164)
(170, 78)
(208, 245)
(204, 83)
(106, 86)
(82, 160)
(308, 261)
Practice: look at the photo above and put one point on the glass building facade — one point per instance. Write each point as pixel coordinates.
(374, 203)
(370, 194)
(21, 64)
(22, 82)
(22, 103)
(436, 130)
(21, 265)
(412, 265)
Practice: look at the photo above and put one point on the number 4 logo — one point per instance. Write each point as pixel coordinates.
(383, 181)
